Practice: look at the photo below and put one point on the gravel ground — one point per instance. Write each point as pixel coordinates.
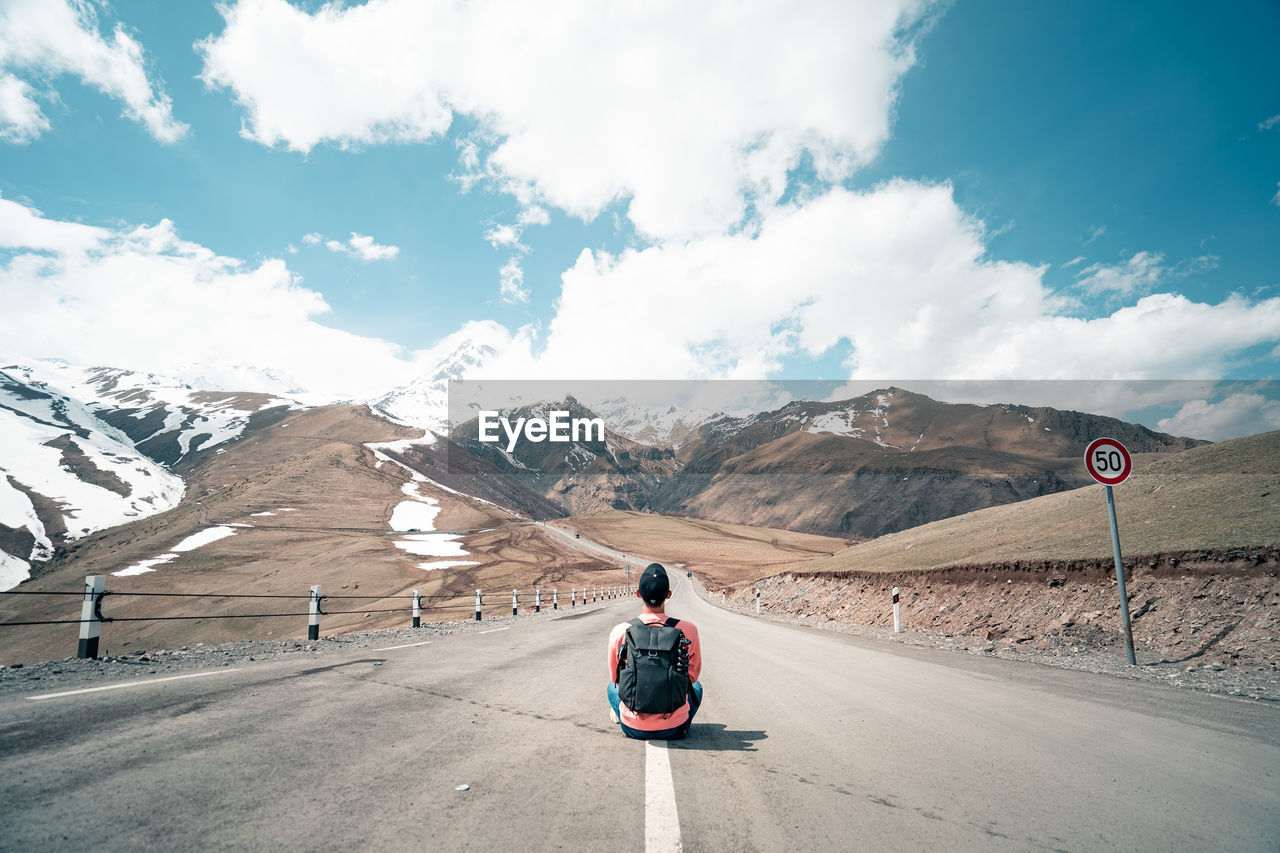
(1104, 657)
(71, 673)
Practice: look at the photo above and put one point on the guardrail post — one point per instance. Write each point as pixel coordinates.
(90, 626)
(757, 602)
(897, 613)
(537, 601)
(515, 602)
(573, 596)
(555, 599)
(313, 621)
(477, 605)
(417, 609)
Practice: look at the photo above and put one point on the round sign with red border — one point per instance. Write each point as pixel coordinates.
(1108, 461)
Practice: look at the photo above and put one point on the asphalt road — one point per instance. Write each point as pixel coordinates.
(806, 740)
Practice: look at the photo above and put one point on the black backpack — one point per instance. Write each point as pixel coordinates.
(653, 667)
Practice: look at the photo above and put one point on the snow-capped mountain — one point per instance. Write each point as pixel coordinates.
(424, 402)
(84, 449)
(660, 427)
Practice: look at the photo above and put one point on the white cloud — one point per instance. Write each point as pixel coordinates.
(47, 38)
(898, 272)
(534, 215)
(1140, 273)
(504, 237)
(143, 298)
(1275, 199)
(359, 246)
(1239, 414)
(689, 111)
(1095, 233)
(511, 280)
(23, 227)
(1267, 124)
(364, 247)
(1078, 259)
(20, 117)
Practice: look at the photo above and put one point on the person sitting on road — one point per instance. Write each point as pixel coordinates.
(654, 664)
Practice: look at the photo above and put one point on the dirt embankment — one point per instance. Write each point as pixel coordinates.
(1213, 608)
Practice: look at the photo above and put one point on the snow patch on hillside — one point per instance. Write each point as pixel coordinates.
(191, 543)
(419, 514)
(55, 446)
(204, 537)
(13, 571)
(144, 566)
(838, 422)
(445, 564)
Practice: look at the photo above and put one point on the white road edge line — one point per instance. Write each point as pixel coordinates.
(661, 822)
(405, 646)
(128, 684)
(495, 630)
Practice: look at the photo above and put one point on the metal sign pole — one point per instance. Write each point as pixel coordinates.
(1124, 597)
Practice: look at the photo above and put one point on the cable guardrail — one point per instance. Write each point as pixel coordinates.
(95, 592)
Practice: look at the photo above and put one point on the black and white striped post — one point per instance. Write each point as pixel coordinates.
(515, 602)
(537, 601)
(757, 602)
(555, 599)
(90, 625)
(417, 609)
(897, 613)
(573, 596)
(313, 621)
(477, 605)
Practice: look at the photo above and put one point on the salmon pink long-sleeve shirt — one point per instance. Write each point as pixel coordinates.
(655, 722)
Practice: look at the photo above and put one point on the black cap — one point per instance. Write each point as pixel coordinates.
(654, 585)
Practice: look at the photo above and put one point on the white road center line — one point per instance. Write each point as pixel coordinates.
(495, 630)
(128, 684)
(661, 823)
(405, 646)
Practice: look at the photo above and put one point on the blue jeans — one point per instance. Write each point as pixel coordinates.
(695, 702)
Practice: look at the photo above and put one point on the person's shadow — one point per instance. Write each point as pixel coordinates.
(714, 736)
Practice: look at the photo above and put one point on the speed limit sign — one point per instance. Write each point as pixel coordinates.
(1108, 461)
(1110, 464)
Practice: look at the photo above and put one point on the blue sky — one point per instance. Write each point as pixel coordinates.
(1067, 190)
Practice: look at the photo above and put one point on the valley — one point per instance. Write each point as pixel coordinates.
(821, 506)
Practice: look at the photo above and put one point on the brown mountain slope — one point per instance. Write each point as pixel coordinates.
(885, 462)
(330, 499)
(1218, 496)
(1201, 538)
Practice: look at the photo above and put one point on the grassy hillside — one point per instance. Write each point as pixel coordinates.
(1217, 496)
